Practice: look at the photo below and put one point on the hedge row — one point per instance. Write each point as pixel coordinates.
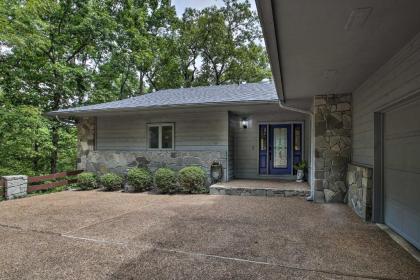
(190, 179)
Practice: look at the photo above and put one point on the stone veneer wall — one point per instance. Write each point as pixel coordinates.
(333, 125)
(359, 183)
(120, 161)
(86, 130)
(103, 161)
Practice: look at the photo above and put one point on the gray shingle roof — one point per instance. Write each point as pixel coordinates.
(217, 95)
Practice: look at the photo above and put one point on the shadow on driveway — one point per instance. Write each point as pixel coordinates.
(98, 235)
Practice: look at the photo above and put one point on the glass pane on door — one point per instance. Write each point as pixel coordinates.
(280, 159)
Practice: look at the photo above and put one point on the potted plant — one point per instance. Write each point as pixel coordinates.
(300, 169)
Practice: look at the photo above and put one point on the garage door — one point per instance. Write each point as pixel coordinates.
(402, 170)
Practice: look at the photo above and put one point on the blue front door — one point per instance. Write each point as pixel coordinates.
(275, 149)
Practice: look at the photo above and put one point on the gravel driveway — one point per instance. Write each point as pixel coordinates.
(99, 235)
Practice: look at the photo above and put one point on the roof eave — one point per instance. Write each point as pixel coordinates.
(268, 25)
(81, 113)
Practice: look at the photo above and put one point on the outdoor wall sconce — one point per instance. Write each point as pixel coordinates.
(216, 171)
(244, 123)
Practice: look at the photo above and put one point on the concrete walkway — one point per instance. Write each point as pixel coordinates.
(98, 235)
(279, 188)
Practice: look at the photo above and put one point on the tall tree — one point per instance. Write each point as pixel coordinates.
(50, 43)
(226, 39)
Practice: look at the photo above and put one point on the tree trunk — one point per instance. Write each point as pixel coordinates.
(141, 84)
(35, 160)
(55, 123)
(54, 153)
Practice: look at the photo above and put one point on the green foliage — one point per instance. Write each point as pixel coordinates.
(225, 41)
(86, 181)
(111, 181)
(192, 178)
(166, 180)
(302, 165)
(51, 190)
(24, 140)
(4, 171)
(140, 179)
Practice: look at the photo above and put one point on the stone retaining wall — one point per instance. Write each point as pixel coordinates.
(333, 125)
(221, 190)
(359, 183)
(120, 161)
(15, 186)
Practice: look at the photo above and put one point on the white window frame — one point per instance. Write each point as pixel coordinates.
(160, 125)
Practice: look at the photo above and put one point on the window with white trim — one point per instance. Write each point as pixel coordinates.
(160, 136)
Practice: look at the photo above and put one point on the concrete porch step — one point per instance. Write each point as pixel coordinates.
(260, 188)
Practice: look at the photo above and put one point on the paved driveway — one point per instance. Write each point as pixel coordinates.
(98, 235)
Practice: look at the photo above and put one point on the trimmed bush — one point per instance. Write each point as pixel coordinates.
(166, 181)
(140, 179)
(86, 181)
(111, 181)
(192, 179)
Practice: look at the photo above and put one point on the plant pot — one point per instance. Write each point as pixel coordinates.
(299, 176)
(129, 188)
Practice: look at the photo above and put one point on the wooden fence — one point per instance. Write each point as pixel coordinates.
(56, 183)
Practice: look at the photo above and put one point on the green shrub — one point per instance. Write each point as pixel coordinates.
(140, 179)
(166, 181)
(111, 181)
(86, 181)
(192, 178)
(6, 172)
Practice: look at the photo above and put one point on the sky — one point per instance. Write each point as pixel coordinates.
(180, 5)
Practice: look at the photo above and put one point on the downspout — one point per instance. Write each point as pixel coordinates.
(312, 156)
(268, 24)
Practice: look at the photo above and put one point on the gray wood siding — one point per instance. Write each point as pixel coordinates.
(246, 141)
(396, 79)
(194, 131)
(231, 149)
(201, 130)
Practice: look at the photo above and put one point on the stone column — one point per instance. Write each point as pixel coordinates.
(15, 186)
(359, 183)
(333, 128)
(86, 132)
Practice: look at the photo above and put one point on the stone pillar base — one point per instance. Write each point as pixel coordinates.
(15, 186)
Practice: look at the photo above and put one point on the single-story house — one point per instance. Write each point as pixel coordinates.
(346, 97)
(241, 127)
(368, 50)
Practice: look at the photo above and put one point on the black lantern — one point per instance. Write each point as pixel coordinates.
(216, 172)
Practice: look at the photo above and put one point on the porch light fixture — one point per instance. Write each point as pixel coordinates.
(244, 123)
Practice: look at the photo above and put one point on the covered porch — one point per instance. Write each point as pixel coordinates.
(262, 187)
(264, 142)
